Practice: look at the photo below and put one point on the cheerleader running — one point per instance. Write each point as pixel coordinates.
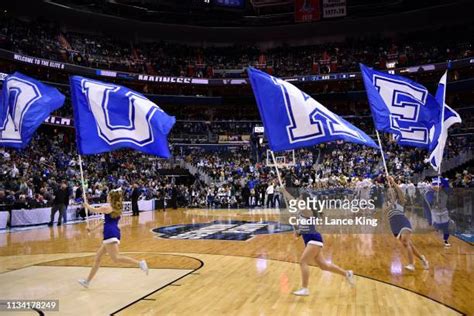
(111, 240)
(436, 200)
(314, 251)
(401, 226)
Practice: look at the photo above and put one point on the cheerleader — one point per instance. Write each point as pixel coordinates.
(313, 251)
(400, 224)
(111, 232)
(436, 200)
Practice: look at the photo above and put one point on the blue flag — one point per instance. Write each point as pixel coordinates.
(439, 132)
(401, 106)
(293, 119)
(109, 117)
(24, 104)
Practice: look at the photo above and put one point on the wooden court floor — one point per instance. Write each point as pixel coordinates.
(217, 277)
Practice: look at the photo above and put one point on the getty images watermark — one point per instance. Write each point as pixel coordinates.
(302, 212)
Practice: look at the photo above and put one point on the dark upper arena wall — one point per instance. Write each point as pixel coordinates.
(456, 13)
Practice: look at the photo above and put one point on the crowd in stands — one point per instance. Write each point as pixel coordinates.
(28, 178)
(366, 162)
(224, 178)
(464, 179)
(47, 40)
(333, 165)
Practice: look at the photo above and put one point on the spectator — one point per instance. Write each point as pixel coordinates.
(61, 202)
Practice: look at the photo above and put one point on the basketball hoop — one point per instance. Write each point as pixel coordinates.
(284, 159)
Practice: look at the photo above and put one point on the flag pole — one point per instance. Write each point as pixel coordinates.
(280, 181)
(383, 156)
(442, 154)
(83, 189)
(439, 181)
(277, 171)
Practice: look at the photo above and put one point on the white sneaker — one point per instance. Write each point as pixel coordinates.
(425, 263)
(350, 278)
(84, 283)
(302, 292)
(447, 244)
(143, 266)
(410, 267)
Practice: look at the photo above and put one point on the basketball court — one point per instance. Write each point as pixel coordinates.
(232, 277)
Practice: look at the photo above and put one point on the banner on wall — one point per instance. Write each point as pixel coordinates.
(307, 10)
(234, 139)
(80, 70)
(334, 8)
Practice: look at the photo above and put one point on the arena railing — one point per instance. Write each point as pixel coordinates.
(106, 73)
(194, 170)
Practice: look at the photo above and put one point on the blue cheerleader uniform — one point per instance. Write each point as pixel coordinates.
(398, 221)
(313, 239)
(310, 235)
(436, 204)
(111, 230)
